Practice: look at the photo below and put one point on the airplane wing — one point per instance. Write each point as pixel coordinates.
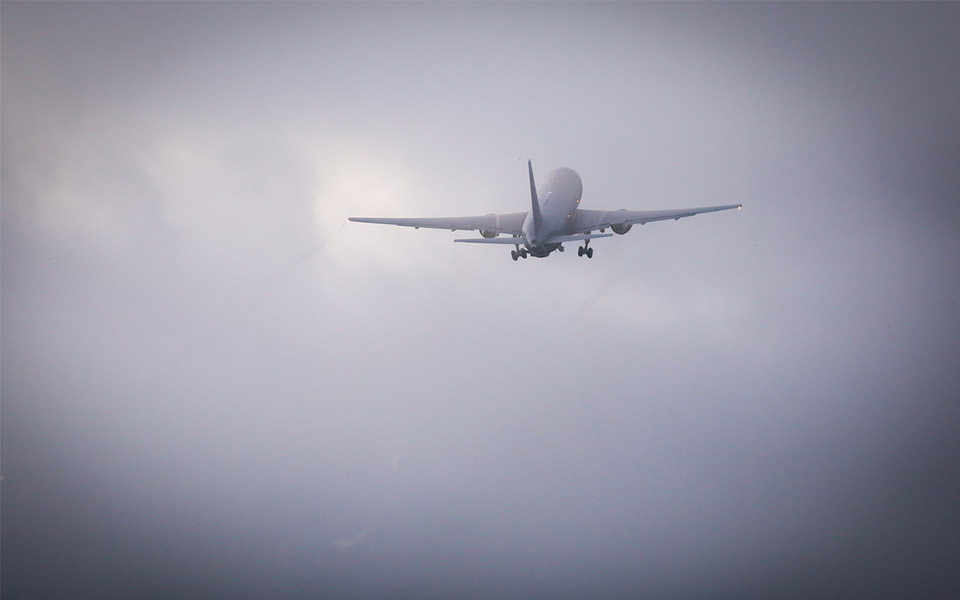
(510, 223)
(590, 220)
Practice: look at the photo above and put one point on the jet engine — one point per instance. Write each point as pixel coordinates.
(621, 228)
(488, 233)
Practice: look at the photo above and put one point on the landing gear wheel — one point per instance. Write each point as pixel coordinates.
(514, 255)
(585, 249)
(523, 252)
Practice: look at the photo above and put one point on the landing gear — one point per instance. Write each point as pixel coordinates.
(514, 255)
(518, 253)
(585, 250)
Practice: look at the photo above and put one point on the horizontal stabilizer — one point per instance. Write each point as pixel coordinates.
(513, 241)
(577, 237)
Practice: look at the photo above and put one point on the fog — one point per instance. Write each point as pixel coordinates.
(215, 386)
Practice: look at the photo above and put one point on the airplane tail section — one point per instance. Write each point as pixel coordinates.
(537, 217)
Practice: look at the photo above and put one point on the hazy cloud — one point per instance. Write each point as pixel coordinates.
(212, 386)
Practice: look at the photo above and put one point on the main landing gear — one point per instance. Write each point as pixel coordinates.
(585, 250)
(518, 253)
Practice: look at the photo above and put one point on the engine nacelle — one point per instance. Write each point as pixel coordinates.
(621, 228)
(492, 233)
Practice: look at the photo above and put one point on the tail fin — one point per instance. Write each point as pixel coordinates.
(537, 217)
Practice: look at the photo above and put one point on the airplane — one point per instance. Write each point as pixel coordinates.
(550, 224)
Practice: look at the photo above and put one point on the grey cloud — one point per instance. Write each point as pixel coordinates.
(212, 386)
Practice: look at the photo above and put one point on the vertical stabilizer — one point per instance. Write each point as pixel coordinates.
(537, 217)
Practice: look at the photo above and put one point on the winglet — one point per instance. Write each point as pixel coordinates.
(533, 198)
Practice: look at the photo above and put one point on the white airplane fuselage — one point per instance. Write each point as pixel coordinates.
(559, 197)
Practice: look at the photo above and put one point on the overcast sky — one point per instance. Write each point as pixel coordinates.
(214, 386)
